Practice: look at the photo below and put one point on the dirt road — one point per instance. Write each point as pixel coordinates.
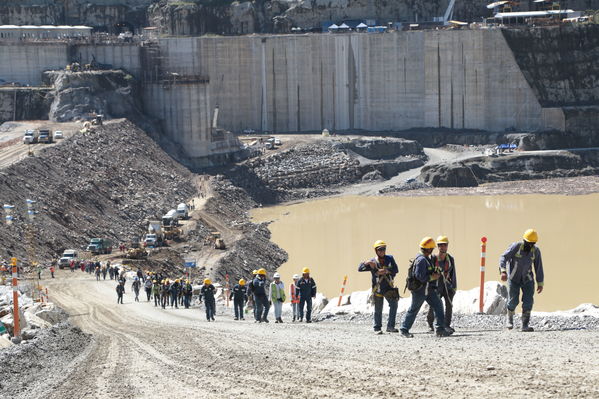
(140, 351)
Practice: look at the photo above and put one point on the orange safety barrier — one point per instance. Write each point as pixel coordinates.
(483, 256)
(15, 297)
(342, 290)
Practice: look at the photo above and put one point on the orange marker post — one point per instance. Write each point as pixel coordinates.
(483, 256)
(15, 297)
(342, 290)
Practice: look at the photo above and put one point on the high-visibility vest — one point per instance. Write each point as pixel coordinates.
(294, 296)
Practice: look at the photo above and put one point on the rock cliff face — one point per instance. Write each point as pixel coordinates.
(26, 104)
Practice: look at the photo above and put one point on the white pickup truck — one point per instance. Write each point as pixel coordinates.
(67, 256)
(31, 137)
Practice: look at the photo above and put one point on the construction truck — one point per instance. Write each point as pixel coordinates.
(136, 251)
(45, 136)
(155, 235)
(100, 246)
(171, 232)
(217, 240)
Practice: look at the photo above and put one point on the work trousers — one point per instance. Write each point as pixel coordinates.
(210, 305)
(156, 299)
(119, 298)
(278, 305)
(447, 295)
(418, 298)
(164, 300)
(136, 294)
(295, 308)
(238, 306)
(148, 293)
(262, 307)
(174, 300)
(378, 313)
(187, 300)
(308, 303)
(528, 290)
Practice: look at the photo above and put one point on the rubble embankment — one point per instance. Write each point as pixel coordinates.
(516, 166)
(323, 167)
(101, 183)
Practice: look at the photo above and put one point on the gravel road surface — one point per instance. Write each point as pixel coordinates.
(139, 351)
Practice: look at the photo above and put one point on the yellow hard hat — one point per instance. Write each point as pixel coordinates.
(442, 240)
(305, 270)
(262, 272)
(254, 272)
(531, 235)
(379, 243)
(207, 281)
(427, 243)
(163, 281)
(177, 280)
(242, 282)
(154, 281)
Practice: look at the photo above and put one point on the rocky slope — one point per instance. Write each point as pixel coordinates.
(102, 183)
(519, 166)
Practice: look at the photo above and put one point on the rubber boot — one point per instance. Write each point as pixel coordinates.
(526, 321)
(510, 319)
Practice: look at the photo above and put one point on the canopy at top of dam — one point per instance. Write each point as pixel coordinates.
(333, 236)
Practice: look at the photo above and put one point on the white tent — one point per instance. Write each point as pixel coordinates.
(333, 27)
(362, 25)
(343, 26)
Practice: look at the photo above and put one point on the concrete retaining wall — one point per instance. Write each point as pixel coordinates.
(393, 81)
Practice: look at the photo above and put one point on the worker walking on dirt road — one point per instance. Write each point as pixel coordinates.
(120, 290)
(277, 296)
(175, 293)
(516, 266)
(148, 288)
(306, 290)
(52, 271)
(422, 282)
(239, 297)
(207, 293)
(164, 293)
(294, 297)
(187, 293)
(383, 270)
(447, 284)
(136, 287)
(260, 296)
(156, 292)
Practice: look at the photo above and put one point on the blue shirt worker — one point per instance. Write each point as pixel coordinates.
(516, 267)
(425, 276)
(207, 293)
(383, 269)
(447, 284)
(239, 296)
(260, 286)
(306, 290)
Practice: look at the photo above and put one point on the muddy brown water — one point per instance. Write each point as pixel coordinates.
(332, 236)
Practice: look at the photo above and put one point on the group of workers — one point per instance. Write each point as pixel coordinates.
(432, 278)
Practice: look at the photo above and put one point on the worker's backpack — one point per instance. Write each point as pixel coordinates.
(412, 283)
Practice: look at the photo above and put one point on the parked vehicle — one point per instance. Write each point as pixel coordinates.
(31, 137)
(155, 234)
(67, 256)
(182, 211)
(100, 246)
(151, 241)
(45, 136)
(58, 135)
(171, 218)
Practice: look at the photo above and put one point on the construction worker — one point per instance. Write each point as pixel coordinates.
(239, 296)
(383, 270)
(306, 290)
(156, 292)
(52, 271)
(164, 292)
(260, 297)
(187, 293)
(207, 293)
(175, 287)
(120, 290)
(98, 272)
(516, 266)
(104, 271)
(294, 297)
(136, 286)
(39, 272)
(277, 296)
(250, 294)
(72, 265)
(148, 288)
(447, 284)
(426, 274)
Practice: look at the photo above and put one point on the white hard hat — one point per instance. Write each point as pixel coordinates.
(296, 276)
(277, 275)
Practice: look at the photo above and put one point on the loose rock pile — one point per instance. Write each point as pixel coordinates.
(103, 183)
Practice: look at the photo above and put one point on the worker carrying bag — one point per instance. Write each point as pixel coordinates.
(412, 283)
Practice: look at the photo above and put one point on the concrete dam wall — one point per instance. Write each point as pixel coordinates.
(394, 81)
